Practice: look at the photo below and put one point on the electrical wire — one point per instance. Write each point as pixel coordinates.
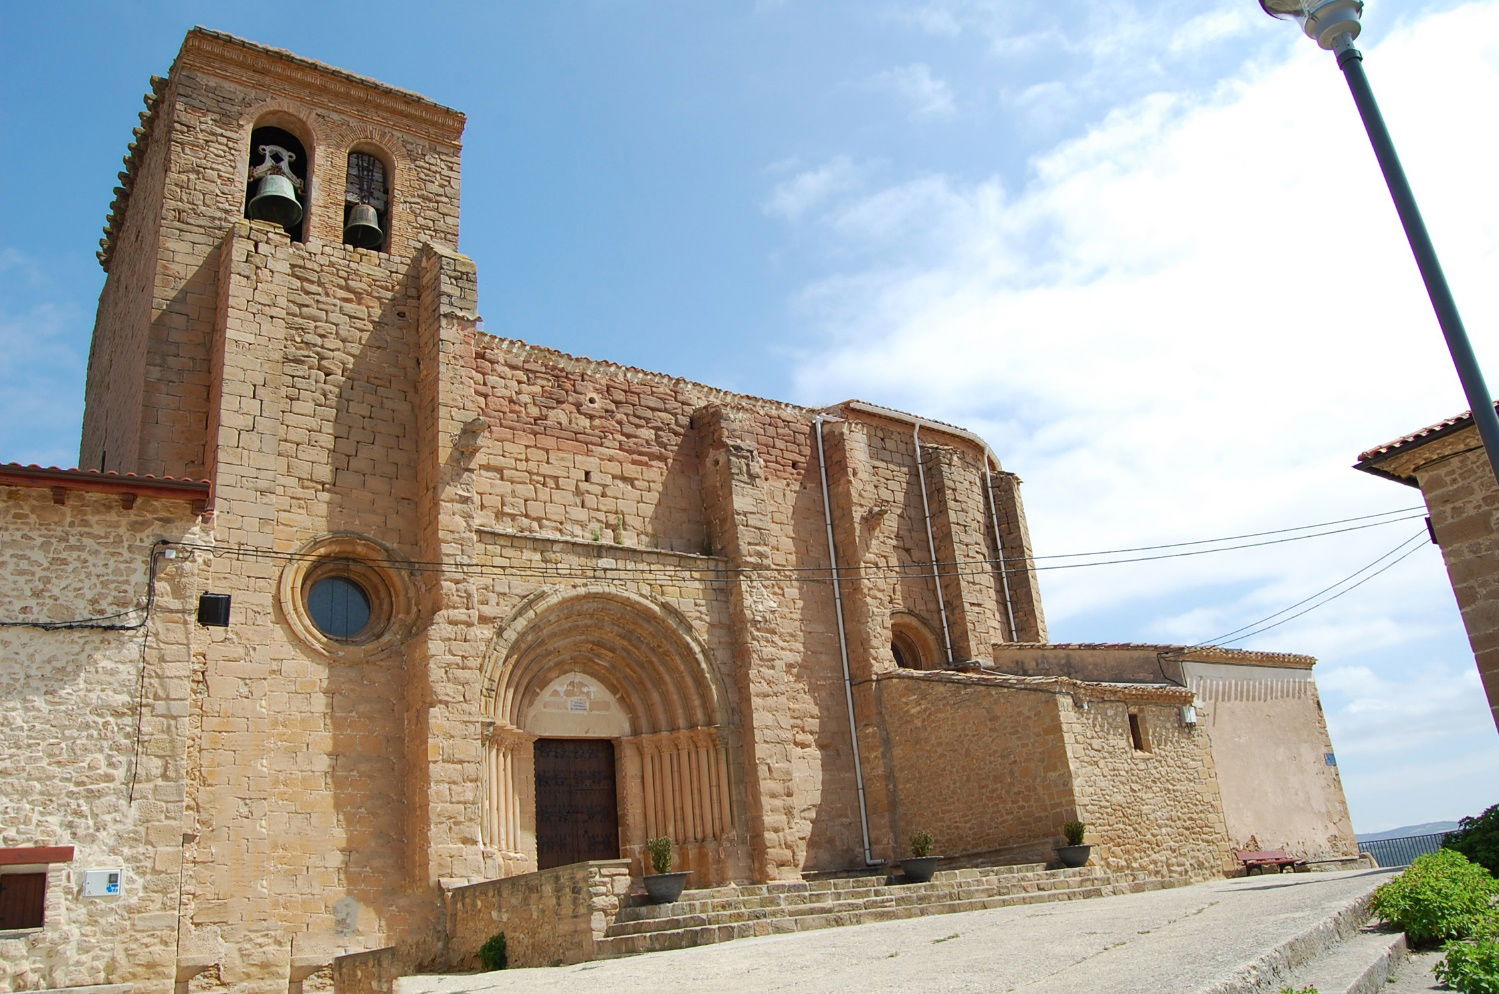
(1231, 538)
(665, 573)
(1291, 607)
(1416, 542)
(102, 622)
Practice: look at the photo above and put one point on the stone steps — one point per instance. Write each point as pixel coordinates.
(724, 913)
(1360, 964)
(793, 893)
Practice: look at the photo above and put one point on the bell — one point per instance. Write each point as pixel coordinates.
(363, 229)
(276, 200)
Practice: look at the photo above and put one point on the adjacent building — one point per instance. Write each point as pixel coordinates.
(1447, 463)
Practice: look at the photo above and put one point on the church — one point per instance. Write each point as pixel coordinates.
(355, 617)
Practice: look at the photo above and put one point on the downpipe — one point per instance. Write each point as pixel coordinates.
(848, 683)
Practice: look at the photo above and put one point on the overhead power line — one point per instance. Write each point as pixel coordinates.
(1232, 538)
(1410, 546)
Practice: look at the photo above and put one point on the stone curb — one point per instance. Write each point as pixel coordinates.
(1270, 971)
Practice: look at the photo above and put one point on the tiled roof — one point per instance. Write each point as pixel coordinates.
(1197, 652)
(1444, 427)
(143, 485)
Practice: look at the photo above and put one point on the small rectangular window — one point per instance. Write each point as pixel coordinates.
(1137, 734)
(22, 900)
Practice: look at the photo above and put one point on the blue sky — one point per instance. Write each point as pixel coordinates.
(1141, 247)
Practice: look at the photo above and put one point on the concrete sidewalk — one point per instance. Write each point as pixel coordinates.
(1223, 937)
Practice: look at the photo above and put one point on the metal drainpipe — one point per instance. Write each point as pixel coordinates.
(999, 548)
(848, 682)
(931, 544)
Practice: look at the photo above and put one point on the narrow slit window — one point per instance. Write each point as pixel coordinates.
(1137, 733)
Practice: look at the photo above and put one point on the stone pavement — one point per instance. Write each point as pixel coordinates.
(1414, 975)
(1223, 937)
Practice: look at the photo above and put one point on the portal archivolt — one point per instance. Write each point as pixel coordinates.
(596, 663)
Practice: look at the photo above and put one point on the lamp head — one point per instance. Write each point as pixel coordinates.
(1325, 21)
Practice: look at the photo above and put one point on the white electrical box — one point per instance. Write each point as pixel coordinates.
(1189, 715)
(103, 883)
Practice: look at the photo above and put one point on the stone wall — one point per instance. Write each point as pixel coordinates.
(548, 918)
(299, 789)
(980, 764)
(1153, 809)
(1458, 482)
(93, 755)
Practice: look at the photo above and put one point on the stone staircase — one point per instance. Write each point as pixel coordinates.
(738, 911)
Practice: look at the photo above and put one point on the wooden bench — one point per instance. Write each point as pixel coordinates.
(1261, 859)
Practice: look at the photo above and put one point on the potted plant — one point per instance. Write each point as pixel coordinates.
(921, 864)
(1074, 853)
(663, 886)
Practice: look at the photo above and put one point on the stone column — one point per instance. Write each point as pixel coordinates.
(740, 529)
(443, 720)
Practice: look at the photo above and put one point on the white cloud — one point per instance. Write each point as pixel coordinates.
(925, 94)
(1213, 27)
(806, 190)
(1188, 323)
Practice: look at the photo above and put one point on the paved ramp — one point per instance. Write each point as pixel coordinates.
(1237, 936)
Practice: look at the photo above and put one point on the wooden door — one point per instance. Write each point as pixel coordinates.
(576, 816)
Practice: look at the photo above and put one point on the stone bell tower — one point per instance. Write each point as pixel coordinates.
(328, 159)
(283, 287)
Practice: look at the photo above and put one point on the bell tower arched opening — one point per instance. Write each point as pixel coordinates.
(276, 184)
(589, 692)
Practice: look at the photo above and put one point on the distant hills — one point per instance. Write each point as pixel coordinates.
(1425, 828)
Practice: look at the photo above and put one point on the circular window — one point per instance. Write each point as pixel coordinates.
(339, 607)
(347, 596)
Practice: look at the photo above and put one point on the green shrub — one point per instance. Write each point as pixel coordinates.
(1439, 896)
(921, 844)
(492, 955)
(1299, 990)
(660, 850)
(1471, 967)
(1074, 830)
(1478, 839)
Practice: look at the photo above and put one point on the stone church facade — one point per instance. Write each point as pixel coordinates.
(495, 610)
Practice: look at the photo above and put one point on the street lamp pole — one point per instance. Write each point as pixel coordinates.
(1334, 24)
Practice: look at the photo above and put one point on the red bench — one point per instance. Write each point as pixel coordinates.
(1261, 859)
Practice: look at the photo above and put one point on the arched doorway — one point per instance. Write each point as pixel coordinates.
(597, 699)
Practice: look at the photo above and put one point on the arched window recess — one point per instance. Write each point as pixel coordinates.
(277, 180)
(366, 202)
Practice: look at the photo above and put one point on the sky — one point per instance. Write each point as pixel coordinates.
(1143, 248)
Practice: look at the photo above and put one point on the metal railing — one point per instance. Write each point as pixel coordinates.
(1399, 852)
